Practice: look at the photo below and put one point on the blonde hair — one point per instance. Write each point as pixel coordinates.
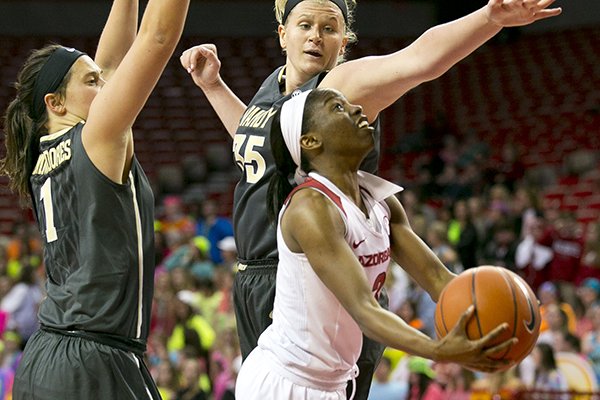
(350, 4)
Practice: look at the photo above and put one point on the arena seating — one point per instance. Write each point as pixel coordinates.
(540, 92)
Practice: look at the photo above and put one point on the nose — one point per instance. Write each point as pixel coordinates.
(315, 35)
(356, 109)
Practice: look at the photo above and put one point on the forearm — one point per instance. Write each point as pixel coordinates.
(387, 328)
(417, 259)
(163, 23)
(444, 45)
(118, 34)
(227, 105)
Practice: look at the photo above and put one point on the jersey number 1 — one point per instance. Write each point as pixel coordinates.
(46, 197)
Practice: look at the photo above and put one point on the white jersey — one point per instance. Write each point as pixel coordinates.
(313, 341)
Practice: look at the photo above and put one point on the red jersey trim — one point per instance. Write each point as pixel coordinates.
(313, 183)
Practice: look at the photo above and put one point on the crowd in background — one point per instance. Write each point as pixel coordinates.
(469, 209)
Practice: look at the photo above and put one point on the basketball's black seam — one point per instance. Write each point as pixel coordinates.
(508, 280)
(474, 302)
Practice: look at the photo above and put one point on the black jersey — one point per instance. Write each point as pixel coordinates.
(98, 241)
(255, 235)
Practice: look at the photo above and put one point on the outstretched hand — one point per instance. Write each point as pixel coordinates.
(507, 13)
(202, 63)
(474, 354)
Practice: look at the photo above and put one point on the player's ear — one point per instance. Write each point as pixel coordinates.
(55, 103)
(282, 39)
(343, 48)
(310, 142)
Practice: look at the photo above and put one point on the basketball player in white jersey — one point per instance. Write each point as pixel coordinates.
(337, 231)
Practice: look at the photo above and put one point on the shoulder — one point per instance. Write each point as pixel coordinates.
(308, 207)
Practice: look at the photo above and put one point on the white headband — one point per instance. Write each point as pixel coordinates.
(292, 112)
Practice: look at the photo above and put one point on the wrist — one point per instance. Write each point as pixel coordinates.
(488, 15)
(212, 86)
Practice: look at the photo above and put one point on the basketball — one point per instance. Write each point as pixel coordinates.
(499, 296)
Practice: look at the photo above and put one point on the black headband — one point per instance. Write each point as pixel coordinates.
(50, 77)
(290, 4)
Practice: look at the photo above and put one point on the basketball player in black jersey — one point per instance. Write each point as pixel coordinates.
(69, 147)
(313, 34)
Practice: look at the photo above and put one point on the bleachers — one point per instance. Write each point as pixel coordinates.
(541, 92)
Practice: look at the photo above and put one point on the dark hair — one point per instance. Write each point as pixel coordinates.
(547, 359)
(22, 132)
(280, 184)
(573, 341)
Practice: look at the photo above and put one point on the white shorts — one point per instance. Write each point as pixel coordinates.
(258, 381)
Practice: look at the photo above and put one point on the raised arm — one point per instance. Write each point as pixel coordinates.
(312, 225)
(203, 64)
(378, 81)
(117, 36)
(106, 135)
(413, 255)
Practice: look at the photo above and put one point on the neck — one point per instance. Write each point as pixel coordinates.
(346, 181)
(292, 79)
(58, 124)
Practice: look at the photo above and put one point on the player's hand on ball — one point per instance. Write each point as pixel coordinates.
(474, 354)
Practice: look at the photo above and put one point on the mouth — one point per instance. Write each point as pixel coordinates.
(363, 123)
(313, 53)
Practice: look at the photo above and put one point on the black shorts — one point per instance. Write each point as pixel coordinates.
(253, 297)
(55, 366)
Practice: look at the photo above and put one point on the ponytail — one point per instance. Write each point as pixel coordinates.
(22, 132)
(280, 184)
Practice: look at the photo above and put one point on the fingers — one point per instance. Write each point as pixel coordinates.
(493, 335)
(464, 319)
(190, 58)
(501, 348)
(551, 12)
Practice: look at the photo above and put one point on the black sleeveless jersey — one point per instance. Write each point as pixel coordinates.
(255, 235)
(98, 241)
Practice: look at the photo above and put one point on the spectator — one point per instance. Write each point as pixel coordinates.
(451, 382)
(590, 344)
(567, 249)
(438, 241)
(549, 294)
(420, 378)
(503, 385)
(191, 329)
(382, 387)
(163, 305)
(533, 254)
(213, 227)
(408, 312)
(462, 234)
(21, 304)
(228, 253)
(547, 375)
(588, 294)
(166, 380)
(189, 388)
(174, 222)
(502, 247)
(557, 321)
(590, 260)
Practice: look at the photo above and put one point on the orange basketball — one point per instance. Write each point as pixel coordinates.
(499, 296)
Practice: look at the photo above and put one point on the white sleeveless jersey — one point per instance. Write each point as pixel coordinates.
(313, 340)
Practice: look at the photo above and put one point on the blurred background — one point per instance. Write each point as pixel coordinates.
(499, 158)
